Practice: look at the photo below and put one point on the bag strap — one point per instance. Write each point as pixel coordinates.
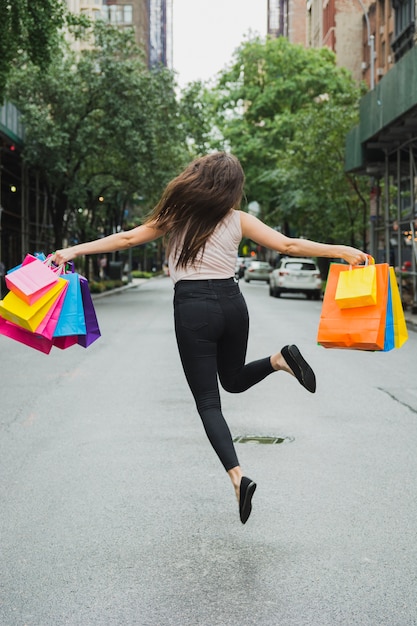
(369, 261)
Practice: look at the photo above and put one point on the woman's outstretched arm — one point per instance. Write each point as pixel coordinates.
(264, 235)
(112, 243)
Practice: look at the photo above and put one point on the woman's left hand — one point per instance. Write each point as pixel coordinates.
(353, 256)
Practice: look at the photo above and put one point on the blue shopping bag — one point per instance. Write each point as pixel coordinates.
(389, 342)
(71, 320)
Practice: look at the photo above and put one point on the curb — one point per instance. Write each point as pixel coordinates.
(136, 282)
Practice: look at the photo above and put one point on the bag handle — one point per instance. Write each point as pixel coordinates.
(64, 268)
(369, 261)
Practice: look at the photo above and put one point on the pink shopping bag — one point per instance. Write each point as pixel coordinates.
(8, 329)
(47, 327)
(31, 280)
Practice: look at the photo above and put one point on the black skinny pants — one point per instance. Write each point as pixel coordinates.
(211, 327)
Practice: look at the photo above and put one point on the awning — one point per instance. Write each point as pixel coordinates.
(388, 120)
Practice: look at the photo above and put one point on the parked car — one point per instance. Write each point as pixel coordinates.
(296, 275)
(257, 270)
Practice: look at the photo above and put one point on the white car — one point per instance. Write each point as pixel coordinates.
(296, 275)
(257, 270)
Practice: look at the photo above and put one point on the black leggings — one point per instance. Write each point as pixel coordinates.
(211, 326)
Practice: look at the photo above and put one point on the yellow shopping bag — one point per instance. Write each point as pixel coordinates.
(356, 287)
(29, 316)
(400, 326)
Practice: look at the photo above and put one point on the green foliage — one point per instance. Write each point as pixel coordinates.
(98, 125)
(197, 110)
(284, 110)
(30, 27)
(101, 286)
(140, 274)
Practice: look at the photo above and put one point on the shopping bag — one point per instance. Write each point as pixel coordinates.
(361, 328)
(29, 316)
(92, 328)
(357, 287)
(399, 323)
(47, 326)
(28, 259)
(389, 342)
(8, 329)
(71, 319)
(31, 280)
(65, 342)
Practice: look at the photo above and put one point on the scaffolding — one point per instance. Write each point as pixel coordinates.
(384, 148)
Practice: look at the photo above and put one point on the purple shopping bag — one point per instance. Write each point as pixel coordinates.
(92, 328)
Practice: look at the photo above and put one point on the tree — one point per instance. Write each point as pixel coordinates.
(318, 198)
(29, 26)
(98, 125)
(284, 110)
(197, 108)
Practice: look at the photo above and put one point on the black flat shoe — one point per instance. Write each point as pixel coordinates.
(247, 489)
(302, 371)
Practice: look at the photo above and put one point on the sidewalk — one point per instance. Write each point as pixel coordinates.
(411, 319)
(136, 282)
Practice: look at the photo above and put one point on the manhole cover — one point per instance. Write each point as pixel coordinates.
(266, 439)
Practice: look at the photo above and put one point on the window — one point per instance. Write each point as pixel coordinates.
(120, 14)
(404, 27)
(128, 14)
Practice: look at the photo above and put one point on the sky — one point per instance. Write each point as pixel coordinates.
(207, 32)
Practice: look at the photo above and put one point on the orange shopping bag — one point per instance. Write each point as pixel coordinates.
(360, 328)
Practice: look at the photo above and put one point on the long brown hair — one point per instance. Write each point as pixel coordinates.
(194, 203)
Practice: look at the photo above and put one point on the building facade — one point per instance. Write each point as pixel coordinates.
(338, 24)
(376, 41)
(287, 18)
(151, 21)
(383, 146)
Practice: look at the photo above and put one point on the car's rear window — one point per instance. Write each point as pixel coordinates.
(297, 265)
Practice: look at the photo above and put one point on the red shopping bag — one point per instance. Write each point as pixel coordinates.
(65, 342)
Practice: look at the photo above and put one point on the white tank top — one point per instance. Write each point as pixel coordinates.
(220, 252)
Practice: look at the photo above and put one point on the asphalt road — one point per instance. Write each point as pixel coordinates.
(115, 510)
